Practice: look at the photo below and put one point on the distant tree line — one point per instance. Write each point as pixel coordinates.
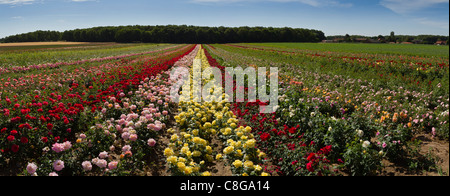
(174, 34)
(418, 39)
(37, 36)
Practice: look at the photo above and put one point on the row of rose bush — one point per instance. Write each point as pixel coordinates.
(25, 60)
(190, 151)
(423, 71)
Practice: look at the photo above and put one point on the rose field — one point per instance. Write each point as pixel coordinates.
(106, 109)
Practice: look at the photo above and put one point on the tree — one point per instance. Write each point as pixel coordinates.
(347, 38)
(128, 35)
(392, 37)
(175, 34)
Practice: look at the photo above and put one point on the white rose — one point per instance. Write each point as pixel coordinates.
(366, 144)
(360, 132)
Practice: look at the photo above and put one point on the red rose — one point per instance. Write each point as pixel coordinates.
(10, 138)
(15, 148)
(13, 132)
(44, 139)
(49, 126)
(25, 126)
(265, 137)
(3, 130)
(24, 140)
(326, 149)
(292, 130)
(309, 167)
(311, 157)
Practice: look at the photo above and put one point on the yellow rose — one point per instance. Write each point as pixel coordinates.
(203, 142)
(237, 163)
(262, 155)
(197, 140)
(207, 125)
(250, 143)
(208, 149)
(172, 160)
(184, 150)
(233, 125)
(181, 166)
(239, 153)
(206, 173)
(228, 150)
(197, 153)
(188, 170)
(195, 132)
(237, 144)
(227, 131)
(181, 159)
(248, 164)
(168, 152)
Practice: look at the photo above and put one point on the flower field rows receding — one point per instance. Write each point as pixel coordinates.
(61, 124)
(337, 114)
(190, 151)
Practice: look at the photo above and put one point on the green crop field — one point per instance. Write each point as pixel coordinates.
(390, 49)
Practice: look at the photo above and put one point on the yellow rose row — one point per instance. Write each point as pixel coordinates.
(189, 151)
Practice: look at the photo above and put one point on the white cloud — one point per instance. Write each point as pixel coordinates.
(433, 23)
(16, 2)
(17, 18)
(314, 3)
(408, 6)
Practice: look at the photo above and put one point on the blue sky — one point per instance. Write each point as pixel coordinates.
(333, 17)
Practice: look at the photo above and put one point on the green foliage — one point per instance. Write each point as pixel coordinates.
(174, 34)
(361, 159)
